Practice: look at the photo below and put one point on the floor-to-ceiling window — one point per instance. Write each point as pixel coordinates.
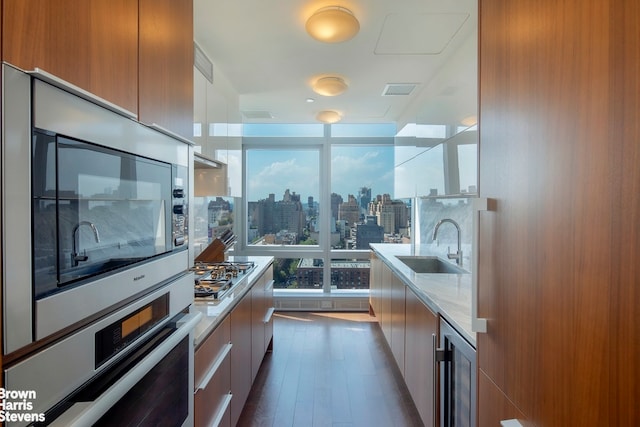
(315, 197)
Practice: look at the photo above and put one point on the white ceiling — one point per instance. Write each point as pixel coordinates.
(261, 47)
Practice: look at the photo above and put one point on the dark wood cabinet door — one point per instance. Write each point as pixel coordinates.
(240, 356)
(258, 314)
(166, 65)
(420, 376)
(90, 44)
(398, 291)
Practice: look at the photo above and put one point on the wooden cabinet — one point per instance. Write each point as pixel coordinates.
(410, 329)
(166, 65)
(137, 55)
(269, 309)
(389, 299)
(493, 405)
(397, 294)
(385, 302)
(251, 335)
(226, 359)
(212, 379)
(375, 283)
(420, 368)
(241, 378)
(90, 44)
(558, 257)
(261, 320)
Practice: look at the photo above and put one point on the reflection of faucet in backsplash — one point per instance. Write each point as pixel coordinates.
(75, 256)
(458, 255)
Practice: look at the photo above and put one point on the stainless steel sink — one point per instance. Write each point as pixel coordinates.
(431, 264)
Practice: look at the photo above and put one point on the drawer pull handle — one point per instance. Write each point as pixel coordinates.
(223, 409)
(269, 286)
(269, 315)
(477, 324)
(212, 371)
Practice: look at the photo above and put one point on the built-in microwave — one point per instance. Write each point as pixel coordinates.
(94, 209)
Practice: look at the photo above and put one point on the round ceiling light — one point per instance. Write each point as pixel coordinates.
(330, 86)
(328, 116)
(332, 24)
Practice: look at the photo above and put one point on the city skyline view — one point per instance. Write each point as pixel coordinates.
(352, 167)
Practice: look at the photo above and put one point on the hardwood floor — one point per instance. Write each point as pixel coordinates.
(328, 369)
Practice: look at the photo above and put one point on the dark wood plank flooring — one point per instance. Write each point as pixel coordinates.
(329, 369)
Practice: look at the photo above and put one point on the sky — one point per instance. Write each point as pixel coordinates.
(352, 167)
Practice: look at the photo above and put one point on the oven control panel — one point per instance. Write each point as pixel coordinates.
(180, 207)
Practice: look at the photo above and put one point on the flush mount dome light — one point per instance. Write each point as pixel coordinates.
(328, 116)
(329, 86)
(332, 24)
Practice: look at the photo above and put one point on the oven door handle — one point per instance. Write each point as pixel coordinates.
(87, 413)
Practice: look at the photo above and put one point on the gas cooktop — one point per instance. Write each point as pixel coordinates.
(213, 280)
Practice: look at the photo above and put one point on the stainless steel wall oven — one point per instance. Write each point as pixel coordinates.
(94, 209)
(96, 287)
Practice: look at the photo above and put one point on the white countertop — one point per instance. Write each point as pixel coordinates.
(446, 294)
(215, 311)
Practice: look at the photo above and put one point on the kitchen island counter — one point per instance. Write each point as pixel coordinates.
(214, 311)
(446, 294)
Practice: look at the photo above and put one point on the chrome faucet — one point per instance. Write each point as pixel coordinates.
(75, 256)
(458, 255)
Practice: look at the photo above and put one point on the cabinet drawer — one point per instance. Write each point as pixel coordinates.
(212, 404)
(212, 377)
(210, 350)
(268, 337)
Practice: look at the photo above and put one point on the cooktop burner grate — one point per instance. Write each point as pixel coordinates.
(213, 280)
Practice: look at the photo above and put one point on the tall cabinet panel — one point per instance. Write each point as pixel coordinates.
(166, 65)
(90, 44)
(1, 275)
(558, 271)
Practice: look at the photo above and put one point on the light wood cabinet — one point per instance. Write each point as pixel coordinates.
(166, 65)
(420, 367)
(212, 378)
(90, 44)
(558, 257)
(493, 405)
(137, 55)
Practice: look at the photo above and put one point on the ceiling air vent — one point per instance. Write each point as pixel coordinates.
(257, 114)
(398, 89)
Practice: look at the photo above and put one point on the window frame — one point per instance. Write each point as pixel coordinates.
(323, 250)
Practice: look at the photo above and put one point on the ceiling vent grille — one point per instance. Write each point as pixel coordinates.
(398, 89)
(257, 114)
